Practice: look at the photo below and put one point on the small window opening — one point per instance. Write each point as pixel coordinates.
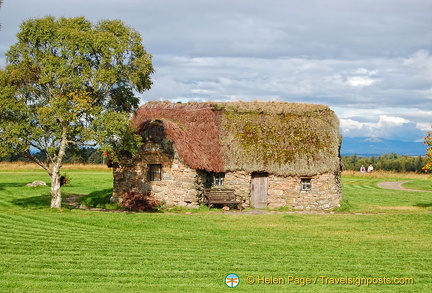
(219, 179)
(155, 172)
(305, 184)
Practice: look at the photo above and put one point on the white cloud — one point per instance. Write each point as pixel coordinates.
(387, 126)
(360, 81)
(424, 126)
(373, 64)
(362, 77)
(391, 120)
(372, 83)
(420, 62)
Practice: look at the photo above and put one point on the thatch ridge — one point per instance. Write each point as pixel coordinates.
(280, 138)
(276, 137)
(272, 107)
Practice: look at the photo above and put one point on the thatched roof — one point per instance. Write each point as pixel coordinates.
(275, 137)
(192, 129)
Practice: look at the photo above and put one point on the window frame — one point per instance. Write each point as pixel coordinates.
(154, 172)
(219, 179)
(305, 184)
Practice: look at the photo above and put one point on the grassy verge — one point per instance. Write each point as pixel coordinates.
(44, 250)
(387, 176)
(419, 184)
(362, 195)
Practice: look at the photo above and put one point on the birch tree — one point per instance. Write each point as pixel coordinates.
(69, 82)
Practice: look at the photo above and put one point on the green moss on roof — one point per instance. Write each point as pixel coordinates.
(280, 138)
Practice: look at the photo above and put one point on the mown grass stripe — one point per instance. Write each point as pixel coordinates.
(42, 250)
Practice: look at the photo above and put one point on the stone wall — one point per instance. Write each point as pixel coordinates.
(240, 181)
(183, 186)
(325, 193)
(178, 186)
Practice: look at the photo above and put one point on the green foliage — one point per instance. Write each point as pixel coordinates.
(428, 141)
(69, 82)
(114, 135)
(67, 73)
(386, 162)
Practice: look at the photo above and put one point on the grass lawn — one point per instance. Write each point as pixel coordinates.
(361, 194)
(382, 236)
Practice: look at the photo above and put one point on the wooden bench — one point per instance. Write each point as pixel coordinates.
(223, 196)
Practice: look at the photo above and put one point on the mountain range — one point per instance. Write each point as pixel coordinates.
(367, 146)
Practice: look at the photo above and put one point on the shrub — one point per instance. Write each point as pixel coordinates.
(64, 180)
(135, 201)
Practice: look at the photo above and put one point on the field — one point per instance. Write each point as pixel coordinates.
(378, 236)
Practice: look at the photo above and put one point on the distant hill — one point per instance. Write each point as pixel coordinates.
(367, 146)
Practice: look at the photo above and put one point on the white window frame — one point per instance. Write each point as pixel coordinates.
(219, 179)
(305, 184)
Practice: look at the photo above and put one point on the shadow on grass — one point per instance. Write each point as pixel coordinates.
(7, 185)
(101, 199)
(97, 199)
(423, 205)
(36, 202)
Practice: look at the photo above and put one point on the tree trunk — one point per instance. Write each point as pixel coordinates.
(56, 198)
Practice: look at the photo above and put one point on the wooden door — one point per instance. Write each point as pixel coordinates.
(259, 190)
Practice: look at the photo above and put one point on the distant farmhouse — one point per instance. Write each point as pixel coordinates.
(273, 154)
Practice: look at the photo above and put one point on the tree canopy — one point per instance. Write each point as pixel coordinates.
(387, 162)
(71, 82)
(428, 141)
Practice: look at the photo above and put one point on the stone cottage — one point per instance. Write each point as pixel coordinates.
(274, 154)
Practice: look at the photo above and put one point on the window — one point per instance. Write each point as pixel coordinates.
(305, 184)
(219, 179)
(155, 172)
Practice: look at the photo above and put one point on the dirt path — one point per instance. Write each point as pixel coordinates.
(397, 185)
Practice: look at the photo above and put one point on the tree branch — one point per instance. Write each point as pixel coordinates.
(44, 166)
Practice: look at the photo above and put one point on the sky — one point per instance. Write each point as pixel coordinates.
(370, 60)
